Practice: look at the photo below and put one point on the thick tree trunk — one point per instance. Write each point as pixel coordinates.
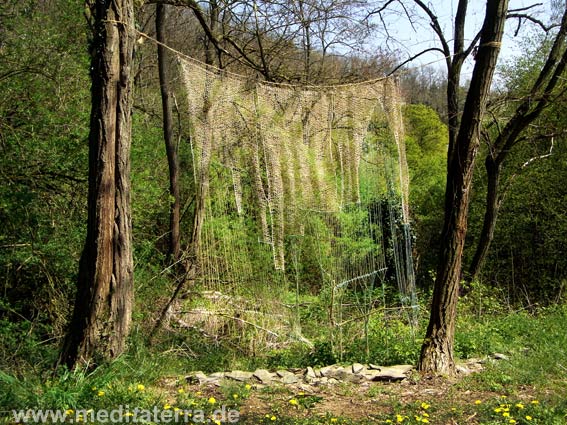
(103, 306)
(493, 169)
(171, 147)
(437, 350)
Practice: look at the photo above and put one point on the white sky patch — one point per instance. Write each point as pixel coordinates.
(411, 38)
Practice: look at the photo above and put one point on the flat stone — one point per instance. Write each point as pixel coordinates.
(371, 375)
(357, 368)
(310, 373)
(339, 373)
(306, 388)
(196, 377)
(264, 376)
(321, 381)
(374, 367)
(239, 375)
(475, 360)
(354, 378)
(463, 370)
(287, 377)
(500, 356)
(403, 368)
(327, 370)
(334, 371)
(393, 373)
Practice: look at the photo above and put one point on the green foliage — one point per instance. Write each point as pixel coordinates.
(109, 385)
(535, 344)
(525, 261)
(426, 148)
(44, 87)
(391, 341)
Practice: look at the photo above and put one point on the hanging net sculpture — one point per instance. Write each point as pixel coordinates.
(300, 190)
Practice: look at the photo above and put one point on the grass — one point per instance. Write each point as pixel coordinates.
(528, 388)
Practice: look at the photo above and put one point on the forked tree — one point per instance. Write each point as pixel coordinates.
(465, 127)
(437, 349)
(546, 88)
(103, 304)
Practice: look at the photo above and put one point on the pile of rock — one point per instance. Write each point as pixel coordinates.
(355, 373)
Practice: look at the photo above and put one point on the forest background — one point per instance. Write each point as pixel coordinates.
(44, 116)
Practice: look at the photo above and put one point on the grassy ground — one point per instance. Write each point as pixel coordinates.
(529, 388)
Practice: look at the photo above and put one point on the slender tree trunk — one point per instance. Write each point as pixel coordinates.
(437, 350)
(102, 314)
(527, 111)
(492, 207)
(171, 147)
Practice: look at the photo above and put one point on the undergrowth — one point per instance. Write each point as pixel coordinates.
(532, 342)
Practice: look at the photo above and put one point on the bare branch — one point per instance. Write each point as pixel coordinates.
(535, 158)
(380, 10)
(527, 17)
(432, 49)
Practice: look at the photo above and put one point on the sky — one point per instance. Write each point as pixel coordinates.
(408, 40)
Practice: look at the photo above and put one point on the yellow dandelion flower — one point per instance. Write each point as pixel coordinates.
(180, 391)
(69, 411)
(454, 409)
(512, 421)
(293, 402)
(235, 396)
(534, 402)
(425, 414)
(425, 420)
(477, 402)
(217, 422)
(273, 418)
(528, 418)
(301, 393)
(399, 419)
(166, 406)
(425, 406)
(334, 420)
(519, 405)
(198, 393)
(388, 421)
(248, 386)
(128, 414)
(506, 414)
(212, 400)
(140, 387)
(101, 393)
(498, 409)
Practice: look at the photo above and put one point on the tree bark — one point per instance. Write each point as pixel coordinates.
(437, 350)
(171, 147)
(492, 207)
(103, 306)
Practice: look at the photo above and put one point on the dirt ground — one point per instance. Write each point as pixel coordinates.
(449, 401)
